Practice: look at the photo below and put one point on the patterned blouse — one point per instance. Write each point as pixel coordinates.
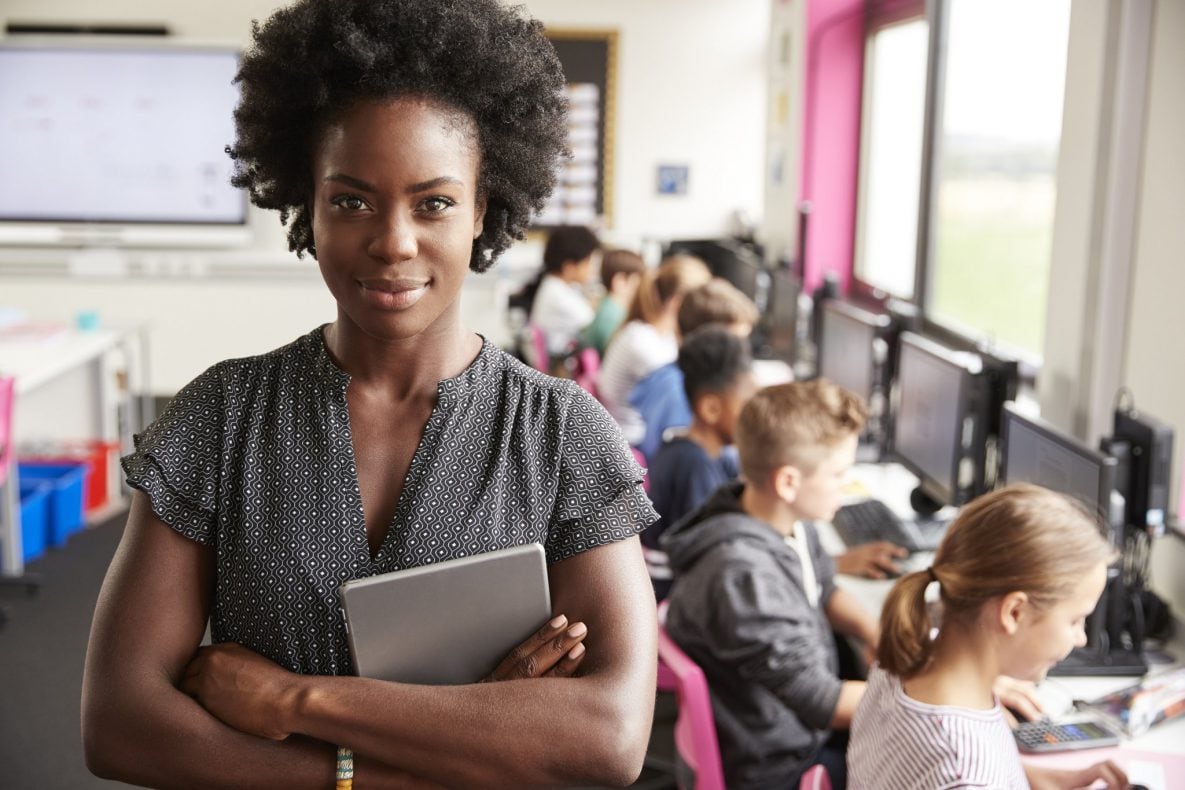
(254, 458)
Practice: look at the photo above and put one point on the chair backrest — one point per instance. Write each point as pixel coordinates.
(7, 397)
(815, 778)
(695, 728)
(588, 366)
(641, 459)
(542, 360)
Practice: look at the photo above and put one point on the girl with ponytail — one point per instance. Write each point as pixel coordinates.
(1016, 575)
(649, 338)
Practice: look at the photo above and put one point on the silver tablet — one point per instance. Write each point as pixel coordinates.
(449, 622)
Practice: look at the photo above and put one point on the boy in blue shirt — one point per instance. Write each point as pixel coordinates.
(717, 379)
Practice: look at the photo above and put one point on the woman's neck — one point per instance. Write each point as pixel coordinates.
(961, 672)
(403, 366)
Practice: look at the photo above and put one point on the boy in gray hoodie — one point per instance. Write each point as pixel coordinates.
(754, 602)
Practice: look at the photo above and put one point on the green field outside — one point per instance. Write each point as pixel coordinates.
(993, 242)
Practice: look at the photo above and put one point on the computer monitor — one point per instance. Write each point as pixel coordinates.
(1036, 452)
(940, 405)
(848, 347)
(726, 258)
(776, 334)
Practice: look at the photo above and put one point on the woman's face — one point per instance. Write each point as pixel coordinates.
(395, 212)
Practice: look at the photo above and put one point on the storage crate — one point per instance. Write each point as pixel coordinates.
(66, 483)
(96, 453)
(34, 517)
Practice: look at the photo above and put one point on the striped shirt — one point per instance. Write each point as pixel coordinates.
(898, 743)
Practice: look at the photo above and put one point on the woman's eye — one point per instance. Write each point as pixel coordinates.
(437, 204)
(349, 202)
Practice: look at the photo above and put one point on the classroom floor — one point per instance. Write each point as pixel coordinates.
(42, 649)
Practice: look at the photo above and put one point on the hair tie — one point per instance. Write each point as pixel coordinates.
(933, 575)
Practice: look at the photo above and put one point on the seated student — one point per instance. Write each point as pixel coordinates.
(716, 372)
(559, 307)
(659, 397)
(1017, 573)
(754, 602)
(647, 340)
(621, 273)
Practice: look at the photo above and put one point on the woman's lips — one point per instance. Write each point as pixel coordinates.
(393, 294)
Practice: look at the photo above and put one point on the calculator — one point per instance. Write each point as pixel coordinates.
(1046, 736)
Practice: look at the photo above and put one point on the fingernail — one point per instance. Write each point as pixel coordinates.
(557, 623)
(576, 652)
(577, 630)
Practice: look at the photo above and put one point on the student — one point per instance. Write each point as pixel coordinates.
(559, 306)
(754, 602)
(659, 398)
(1017, 573)
(406, 145)
(717, 375)
(621, 274)
(648, 339)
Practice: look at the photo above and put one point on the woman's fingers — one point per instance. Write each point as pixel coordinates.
(543, 651)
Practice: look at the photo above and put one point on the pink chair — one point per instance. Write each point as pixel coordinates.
(588, 366)
(815, 778)
(7, 392)
(535, 350)
(695, 728)
(641, 459)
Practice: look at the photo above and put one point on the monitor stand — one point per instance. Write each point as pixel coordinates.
(1115, 661)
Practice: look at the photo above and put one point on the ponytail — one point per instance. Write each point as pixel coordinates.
(1021, 538)
(905, 646)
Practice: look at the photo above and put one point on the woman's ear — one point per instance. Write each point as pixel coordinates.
(1012, 609)
(479, 216)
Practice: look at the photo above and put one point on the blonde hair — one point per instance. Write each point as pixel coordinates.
(715, 302)
(675, 276)
(1022, 538)
(795, 424)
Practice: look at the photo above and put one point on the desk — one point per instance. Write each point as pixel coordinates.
(68, 387)
(891, 483)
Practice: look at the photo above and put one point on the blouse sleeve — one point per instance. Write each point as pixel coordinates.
(600, 498)
(176, 460)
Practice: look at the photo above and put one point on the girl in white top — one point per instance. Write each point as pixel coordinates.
(648, 340)
(1018, 572)
(559, 307)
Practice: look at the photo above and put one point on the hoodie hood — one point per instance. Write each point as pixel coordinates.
(718, 521)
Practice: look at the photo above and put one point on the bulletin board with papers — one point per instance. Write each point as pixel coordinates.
(584, 188)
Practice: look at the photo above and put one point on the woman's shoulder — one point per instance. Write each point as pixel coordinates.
(304, 354)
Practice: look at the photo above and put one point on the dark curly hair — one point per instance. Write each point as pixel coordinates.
(315, 58)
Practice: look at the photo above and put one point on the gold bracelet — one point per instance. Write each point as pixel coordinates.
(345, 769)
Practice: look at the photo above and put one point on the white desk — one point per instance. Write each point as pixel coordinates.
(68, 387)
(891, 483)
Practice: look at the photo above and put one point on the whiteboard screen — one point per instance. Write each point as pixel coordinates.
(114, 134)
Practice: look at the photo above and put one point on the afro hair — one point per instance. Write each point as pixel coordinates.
(315, 58)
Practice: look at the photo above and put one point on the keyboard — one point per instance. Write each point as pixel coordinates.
(871, 520)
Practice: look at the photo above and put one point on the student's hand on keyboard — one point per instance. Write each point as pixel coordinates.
(872, 560)
(555, 650)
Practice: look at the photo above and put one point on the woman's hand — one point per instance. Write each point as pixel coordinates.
(555, 650)
(242, 689)
(1019, 696)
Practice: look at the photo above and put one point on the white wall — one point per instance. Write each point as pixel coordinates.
(1154, 365)
(691, 90)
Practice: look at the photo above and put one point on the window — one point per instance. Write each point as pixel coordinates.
(891, 157)
(994, 181)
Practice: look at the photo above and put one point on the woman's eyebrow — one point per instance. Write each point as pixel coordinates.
(357, 183)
